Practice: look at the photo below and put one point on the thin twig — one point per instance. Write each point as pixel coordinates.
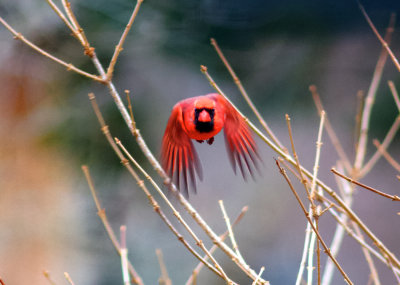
(84, 41)
(101, 212)
(371, 265)
(244, 94)
(196, 271)
(46, 274)
(383, 41)
(118, 47)
(65, 20)
(66, 275)
(385, 144)
(124, 256)
(229, 227)
(357, 125)
(362, 242)
(347, 195)
(309, 238)
(395, 94)
(258, 276)
(327, 250)
(69, 66)
(369, 101)
(392, 197)
(317, 154)
(164, 279)
(128, 98)
(329, 129)
(386, 155)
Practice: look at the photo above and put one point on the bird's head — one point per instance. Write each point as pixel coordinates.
(204, 111)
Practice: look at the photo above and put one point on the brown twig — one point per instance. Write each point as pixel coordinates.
(392, 197)
(327, 250)
(386, 155)
(66, 275)
(118, 47)
(361, 241)
(395, 94)
(329, 129)
(229, 227)
(383, 41)
(46, 274)
(357, 125)
(124, 256)
(259, 275)
(385, 144)
(101, 212)
(244, 94)
(164, 279)
(369, 101)
(196, 271)
(69, 66)
(371, 265)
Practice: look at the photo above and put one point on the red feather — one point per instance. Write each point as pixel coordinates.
(201, 118)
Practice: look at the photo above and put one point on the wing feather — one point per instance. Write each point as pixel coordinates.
(240, 143)
(177, 152)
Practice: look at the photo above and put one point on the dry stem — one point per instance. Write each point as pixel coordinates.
(118, 47)
(369, 101)
(68, 278)
(229, 227)
(385, 144)
(327, 250)
(46, 274)
(69, 66)
(164, 279)
(329, 129)
(103, 217)
(245, 95)
(196, 271)
(124, 256)
(386, 155)
(392, 197)
(395, 94)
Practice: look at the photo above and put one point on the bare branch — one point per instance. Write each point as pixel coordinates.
(164, 279)
(327, 250)
(369, 101)
(386, 155)
(245, 95)
(69, 66)
(395, 94)
(329, 129)
(103, 217)
(392, 197)
(118, 47)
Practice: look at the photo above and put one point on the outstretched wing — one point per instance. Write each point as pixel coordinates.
(240, 144)
(179, 158)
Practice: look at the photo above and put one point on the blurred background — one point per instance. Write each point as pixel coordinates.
(48, 130)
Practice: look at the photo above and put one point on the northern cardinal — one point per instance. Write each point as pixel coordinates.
(201, 118)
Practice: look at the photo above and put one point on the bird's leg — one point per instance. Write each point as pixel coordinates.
(210, 140)
(200, 141)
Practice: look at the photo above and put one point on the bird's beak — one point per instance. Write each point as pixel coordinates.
(204, 116)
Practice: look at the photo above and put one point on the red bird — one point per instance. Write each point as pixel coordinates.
(201, 118)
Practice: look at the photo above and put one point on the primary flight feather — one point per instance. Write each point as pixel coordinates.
(201, 118)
